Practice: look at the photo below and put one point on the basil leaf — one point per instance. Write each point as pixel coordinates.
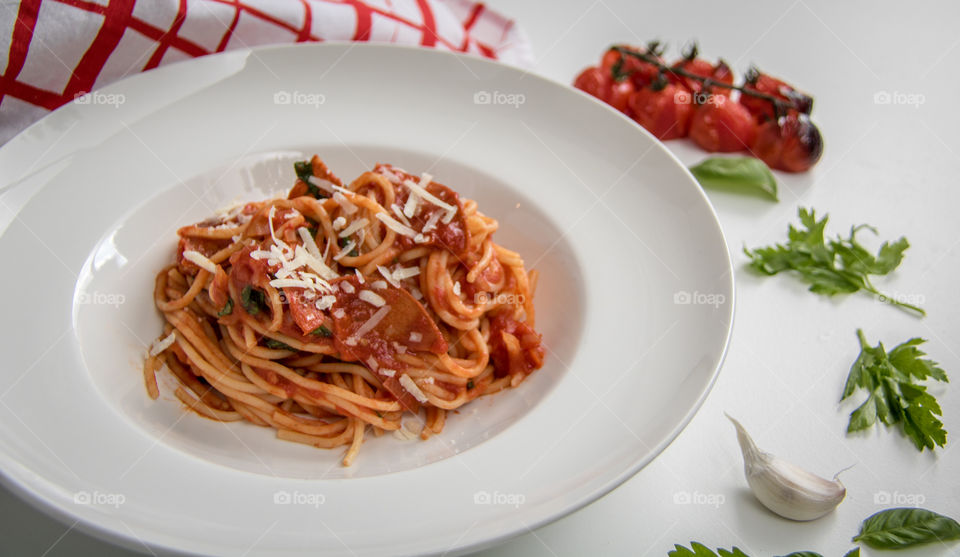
(905, 527)
(855, 552)
(227, 308)
(277, 345)
(803, 554)
(251, 299)
(736, 174)
(304, 170)
(322, 331)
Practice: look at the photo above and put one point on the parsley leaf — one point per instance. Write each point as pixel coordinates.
(322, 331)
(895, 397)
(830, 266)
(227, 308)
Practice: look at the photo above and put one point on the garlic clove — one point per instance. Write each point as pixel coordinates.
(784, 488)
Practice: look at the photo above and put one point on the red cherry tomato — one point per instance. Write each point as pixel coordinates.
(762, 109)
(594, 81)
(664, 113)
(722, 125)
(793, 143)
(620, 92)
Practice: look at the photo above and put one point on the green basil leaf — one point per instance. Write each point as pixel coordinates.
(804, 554)
(855, 552)
(277, 345)
(251, 299)
(227, 308)
(322, 331)
(905, 527)
(736, 174)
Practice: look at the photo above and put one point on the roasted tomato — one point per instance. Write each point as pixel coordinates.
(763, 109)
(722, 125)
(665, 113)
(793, 143)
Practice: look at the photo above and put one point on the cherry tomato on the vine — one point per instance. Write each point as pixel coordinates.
(594, 81)
(763, 109)
(665, 112)
(722, 125)
(793, 143)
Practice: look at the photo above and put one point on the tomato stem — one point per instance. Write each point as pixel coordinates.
(779, 104)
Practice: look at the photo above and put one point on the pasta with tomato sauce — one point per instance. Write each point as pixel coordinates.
(343, 309)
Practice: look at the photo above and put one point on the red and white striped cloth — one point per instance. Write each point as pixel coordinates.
(60, 49)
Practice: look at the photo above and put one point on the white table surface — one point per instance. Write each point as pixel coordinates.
(892, 165)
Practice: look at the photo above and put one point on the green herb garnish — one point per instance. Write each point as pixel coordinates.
(898, 528)
(736, 174)
(252, 300)
(304, 170)
(895, 397)
(277, 345)
(227, 308)
(837, 266)
(322, 331)
(470, 384)
(700, 550)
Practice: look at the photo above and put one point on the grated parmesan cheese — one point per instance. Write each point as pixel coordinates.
(388, 372)
(325, 185)
(412, 388)
(339, 223)
(388, 275)
(431, 222)
(369, 324)
(348, 207)
(372, 363)
(159, 346)
(200, 260)
(405, 273)
(427, 196)
(392, 224)
(354, 226)
(415, 337)
(347, 287)
(371, 298)
(456, 288)
(345, 250)
(339, 313)
(379, 284)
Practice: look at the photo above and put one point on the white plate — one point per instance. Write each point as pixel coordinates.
(635, 302)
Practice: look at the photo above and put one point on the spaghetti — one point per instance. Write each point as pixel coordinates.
(344, 308)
